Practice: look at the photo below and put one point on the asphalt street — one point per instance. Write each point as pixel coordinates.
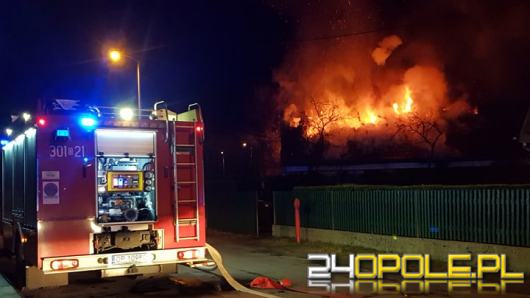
(244, 256)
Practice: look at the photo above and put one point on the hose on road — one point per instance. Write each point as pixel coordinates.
(216, 256)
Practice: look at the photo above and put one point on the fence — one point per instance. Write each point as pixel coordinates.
(497, 215)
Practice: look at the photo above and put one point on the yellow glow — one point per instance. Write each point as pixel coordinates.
(408, 100)
(406, 105)
(26, 117)
(114, 55)
(9, 132)
(371, 117)
(126, 114)
(395, 106)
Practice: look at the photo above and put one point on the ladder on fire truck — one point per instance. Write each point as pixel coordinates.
(186, 185)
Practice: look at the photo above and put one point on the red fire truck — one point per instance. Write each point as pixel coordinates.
(89, 190)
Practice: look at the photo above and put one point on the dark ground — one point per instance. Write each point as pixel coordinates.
(244, 256)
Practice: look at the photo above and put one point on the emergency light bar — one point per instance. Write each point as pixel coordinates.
(41, 121)
(89, 122)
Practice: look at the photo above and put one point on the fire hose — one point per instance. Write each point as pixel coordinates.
(216, 256)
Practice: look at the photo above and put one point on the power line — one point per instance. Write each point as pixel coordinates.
(345, 35)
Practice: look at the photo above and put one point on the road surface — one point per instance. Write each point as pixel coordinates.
(245, 257)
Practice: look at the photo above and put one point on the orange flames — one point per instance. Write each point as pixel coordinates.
(343, 97)
(406, 106)
(329, 115)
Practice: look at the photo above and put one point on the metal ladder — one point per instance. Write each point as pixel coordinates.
(185, 148)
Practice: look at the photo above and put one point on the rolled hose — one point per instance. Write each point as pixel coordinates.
(216, 256)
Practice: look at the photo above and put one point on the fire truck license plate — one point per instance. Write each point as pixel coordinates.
(139, 258)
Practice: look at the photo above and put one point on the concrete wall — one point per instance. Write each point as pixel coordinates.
(518, 258)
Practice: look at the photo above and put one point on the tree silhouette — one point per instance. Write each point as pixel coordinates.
(326, 113)
(426, 127)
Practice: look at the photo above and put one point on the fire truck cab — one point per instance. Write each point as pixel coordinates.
(90, 190)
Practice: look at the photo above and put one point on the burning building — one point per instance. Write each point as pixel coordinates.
(350, 85)
(337, 101)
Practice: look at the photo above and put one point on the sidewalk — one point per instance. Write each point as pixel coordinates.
(6, 290)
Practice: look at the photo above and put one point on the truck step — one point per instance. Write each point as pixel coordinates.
(188, 221)
(189, 238)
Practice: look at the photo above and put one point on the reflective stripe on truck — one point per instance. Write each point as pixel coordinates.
(122, 260)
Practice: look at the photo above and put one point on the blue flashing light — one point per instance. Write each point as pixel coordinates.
(88, 122)
(4, 142)
(85, 159)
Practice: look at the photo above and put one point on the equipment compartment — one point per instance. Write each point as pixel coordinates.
(126, 190)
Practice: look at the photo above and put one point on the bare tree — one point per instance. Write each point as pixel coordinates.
(326, 113)
(427, 128)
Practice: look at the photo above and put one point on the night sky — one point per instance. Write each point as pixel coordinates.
(213, 52)
(224, 54)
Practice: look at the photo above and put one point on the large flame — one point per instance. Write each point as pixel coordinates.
(368, 115)
(341, 98)
(405, 106)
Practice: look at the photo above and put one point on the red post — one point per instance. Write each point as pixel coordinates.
(297, 219)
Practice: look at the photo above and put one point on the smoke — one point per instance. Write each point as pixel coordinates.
(368, 98)
(291, 115)
(385, 49)
(428, 70)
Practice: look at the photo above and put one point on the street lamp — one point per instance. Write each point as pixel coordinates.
(115, 56)
(223, 162)
(244, 145)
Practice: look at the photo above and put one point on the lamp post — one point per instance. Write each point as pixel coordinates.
(245, 145)
(223, 162)
(115, 56)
